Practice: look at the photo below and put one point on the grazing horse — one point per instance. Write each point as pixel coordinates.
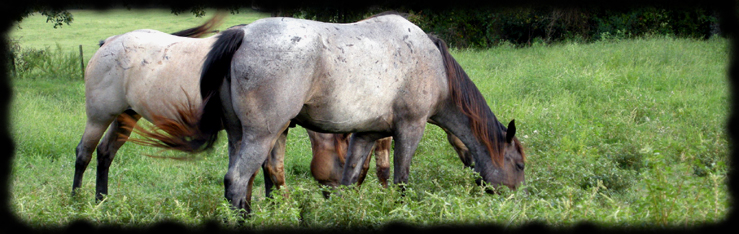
(379, 77)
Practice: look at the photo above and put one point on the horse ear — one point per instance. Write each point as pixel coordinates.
(511, 132)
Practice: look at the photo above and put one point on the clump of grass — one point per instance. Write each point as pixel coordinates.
(625, 156)
(612, 178)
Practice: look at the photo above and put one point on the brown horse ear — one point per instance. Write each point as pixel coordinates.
(511, 132)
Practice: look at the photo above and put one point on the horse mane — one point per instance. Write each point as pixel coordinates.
(203, 29)
(485, 126)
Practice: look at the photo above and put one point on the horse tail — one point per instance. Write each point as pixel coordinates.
(217, 68)
(195, 32)
(203, 29)
(196, 128)
(217, 65)
(470, 101)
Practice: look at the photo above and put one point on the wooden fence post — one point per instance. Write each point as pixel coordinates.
(82, 63)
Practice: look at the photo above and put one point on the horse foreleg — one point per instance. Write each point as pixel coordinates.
(274, 172)
(382, 160)
(118, 133)
(94, 130)
(407, 137)
(360, 146)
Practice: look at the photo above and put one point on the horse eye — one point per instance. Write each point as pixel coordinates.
(520, 166)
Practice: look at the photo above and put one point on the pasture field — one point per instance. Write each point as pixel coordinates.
(624, 133)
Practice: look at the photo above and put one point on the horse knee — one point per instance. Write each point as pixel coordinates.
(104, 156)
(84, 155)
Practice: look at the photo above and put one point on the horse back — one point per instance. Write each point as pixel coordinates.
(354, 77)
(147, 70)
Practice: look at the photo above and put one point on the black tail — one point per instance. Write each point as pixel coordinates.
(217, 65)
(216, 68)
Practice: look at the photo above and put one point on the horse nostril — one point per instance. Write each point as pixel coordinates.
(520, 166)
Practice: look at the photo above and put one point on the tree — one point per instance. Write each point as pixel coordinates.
(59, 16)
(56, 16)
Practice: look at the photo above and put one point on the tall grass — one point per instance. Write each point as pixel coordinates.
(627, 133)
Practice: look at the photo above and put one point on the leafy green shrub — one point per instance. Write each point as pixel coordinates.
(33, 63)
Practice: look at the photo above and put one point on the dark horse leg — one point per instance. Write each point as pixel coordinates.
(94, 130)
(382, 159)
(114, 139)
(407, 136)
(274, 172)
(117, 135)
(381, 150)
(360, 146)
(365, 167)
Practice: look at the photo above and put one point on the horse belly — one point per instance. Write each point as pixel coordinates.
(344, 111)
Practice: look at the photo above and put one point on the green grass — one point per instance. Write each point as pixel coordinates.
(89, 27)
(627, 133)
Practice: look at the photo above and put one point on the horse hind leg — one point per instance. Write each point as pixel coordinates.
(94, 129)
(118, 133)
(93, 132)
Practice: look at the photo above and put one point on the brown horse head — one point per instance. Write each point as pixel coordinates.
(514, 161)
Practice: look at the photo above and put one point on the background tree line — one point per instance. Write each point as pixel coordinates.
(487, 26)
(483, 27)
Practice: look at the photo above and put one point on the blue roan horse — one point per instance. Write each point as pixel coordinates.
(379, 77)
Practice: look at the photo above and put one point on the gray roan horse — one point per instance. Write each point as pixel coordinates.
(375, 78)
(124, 76)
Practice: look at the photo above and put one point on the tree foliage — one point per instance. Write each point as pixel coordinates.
(58, 17)
(487, 26)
